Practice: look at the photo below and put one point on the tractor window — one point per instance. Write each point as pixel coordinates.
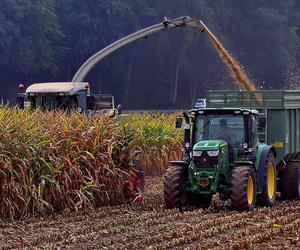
(226, 127)
(253, 140)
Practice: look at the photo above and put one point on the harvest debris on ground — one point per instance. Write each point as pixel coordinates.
(150, 226)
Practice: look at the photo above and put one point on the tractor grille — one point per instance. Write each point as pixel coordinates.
(205, 161)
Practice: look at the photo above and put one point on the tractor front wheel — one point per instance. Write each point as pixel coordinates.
(174, 179)
(269, 189)
(290, 181)
(243, 188)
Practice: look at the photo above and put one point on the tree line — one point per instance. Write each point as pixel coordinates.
(48, 40)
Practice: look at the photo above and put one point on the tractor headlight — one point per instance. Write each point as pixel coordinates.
(197, 153)
(213, 153)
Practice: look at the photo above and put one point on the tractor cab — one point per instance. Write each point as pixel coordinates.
(218, 130)
(210, 131)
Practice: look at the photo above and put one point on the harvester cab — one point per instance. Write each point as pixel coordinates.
(67, 96)
(243, 154)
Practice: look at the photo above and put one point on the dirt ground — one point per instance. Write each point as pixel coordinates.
(150, 226)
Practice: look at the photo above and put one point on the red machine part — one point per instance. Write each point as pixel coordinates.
(134, 182)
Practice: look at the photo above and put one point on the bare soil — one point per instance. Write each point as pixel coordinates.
(151, 226)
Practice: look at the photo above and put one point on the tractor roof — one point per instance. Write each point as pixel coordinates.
(242, 110)
(68, 88)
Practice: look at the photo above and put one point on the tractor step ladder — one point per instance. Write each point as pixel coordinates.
(262, 131)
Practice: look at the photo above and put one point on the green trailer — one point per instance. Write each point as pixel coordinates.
(243, 145)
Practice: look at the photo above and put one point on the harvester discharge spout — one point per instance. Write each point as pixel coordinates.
(167, 24)
(194, 23)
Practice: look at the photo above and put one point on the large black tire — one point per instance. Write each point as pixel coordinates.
(290, 181)
(174, 179)
(243, 188)
(268, 195)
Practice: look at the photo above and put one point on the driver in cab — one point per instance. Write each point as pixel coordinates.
(225, 133)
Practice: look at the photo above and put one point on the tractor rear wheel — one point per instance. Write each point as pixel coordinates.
(290, 181)
(268, 194)
(174, 179)
(243, 188)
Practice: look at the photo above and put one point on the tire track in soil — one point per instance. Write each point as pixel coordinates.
(201, 233)
(253, 231)
(150, 226)
(168, 235)
(248, 235)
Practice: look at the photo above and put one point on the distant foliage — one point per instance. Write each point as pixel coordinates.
(49, 40)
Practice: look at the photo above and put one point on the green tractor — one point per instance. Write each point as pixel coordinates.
(223, 153)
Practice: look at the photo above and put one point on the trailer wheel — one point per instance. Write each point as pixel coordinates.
(243, 188)
(290, 181)
(173, 182)
(268, 194)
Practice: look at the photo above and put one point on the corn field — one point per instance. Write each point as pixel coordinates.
(157, 139)
(67, 172)
(53, 162)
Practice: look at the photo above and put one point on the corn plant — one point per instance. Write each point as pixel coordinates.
(158, 140)
(51, 162)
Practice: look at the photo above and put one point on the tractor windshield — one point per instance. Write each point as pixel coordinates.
(227, 127)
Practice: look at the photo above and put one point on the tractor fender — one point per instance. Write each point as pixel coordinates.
(261, 158)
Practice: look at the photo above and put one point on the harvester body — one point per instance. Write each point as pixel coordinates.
(69, 96)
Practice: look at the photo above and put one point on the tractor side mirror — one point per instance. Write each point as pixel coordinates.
(90, 102)
(262, 121)
(20, 101)
(178, 122)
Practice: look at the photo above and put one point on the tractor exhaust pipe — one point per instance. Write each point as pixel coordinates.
(187, 137)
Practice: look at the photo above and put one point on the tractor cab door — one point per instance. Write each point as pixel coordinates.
(252, 133)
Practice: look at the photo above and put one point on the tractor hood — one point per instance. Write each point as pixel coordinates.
(209, 145)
